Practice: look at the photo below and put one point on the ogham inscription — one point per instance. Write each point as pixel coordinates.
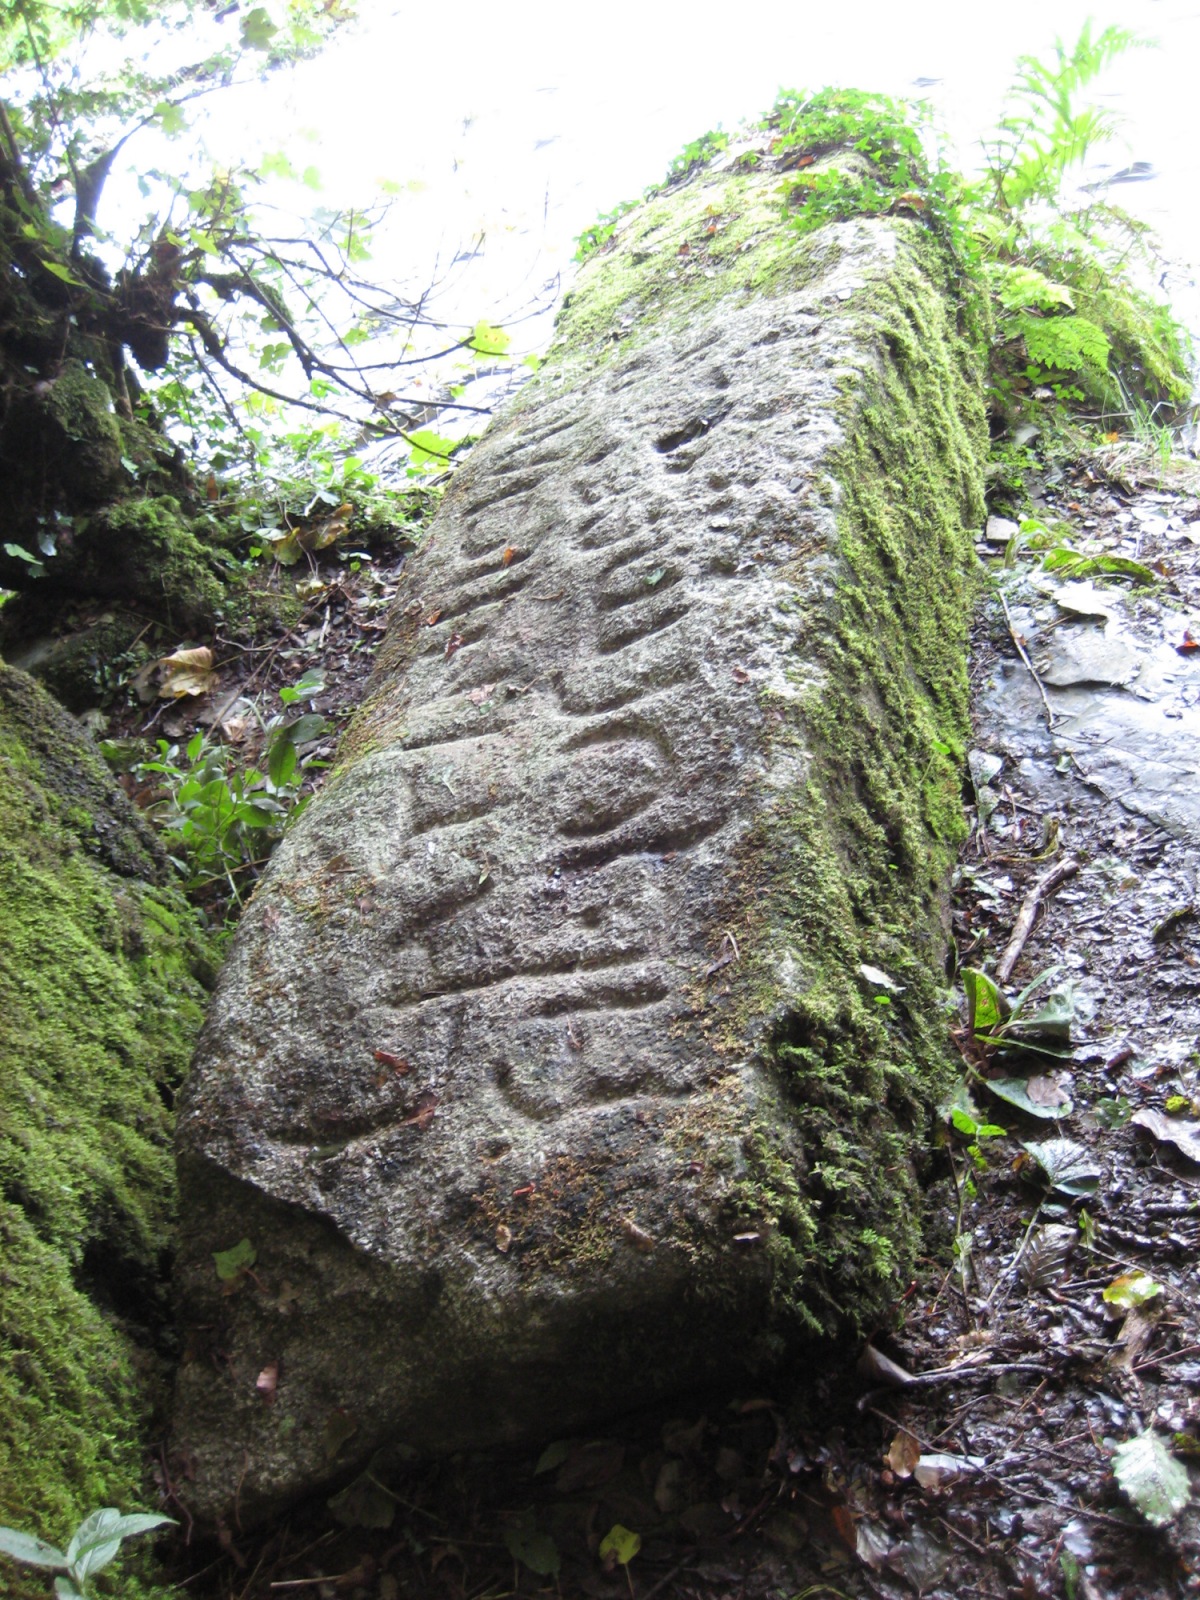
(473, 1085)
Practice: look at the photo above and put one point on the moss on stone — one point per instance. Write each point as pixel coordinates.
(850, 869)
(100, 1002)
(145, 549)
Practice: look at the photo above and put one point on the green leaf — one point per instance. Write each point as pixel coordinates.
(985, 1005)
(231, 1262)
(34, 1552)
(620, 1543)
(170, 118)
(97, 1539)
(1152, 1478)
(1067, 1165)
(488, 340)
(1131, 1289)
(552, 1456)
(65, 273)
(258, 30)
(535, 1550)
(1015, 1092)
(429, 448)
(64, 1589)
(281, 759)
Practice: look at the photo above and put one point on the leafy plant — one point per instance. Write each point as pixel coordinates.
(95, 1543)
(1022, 1023)
(223, 823)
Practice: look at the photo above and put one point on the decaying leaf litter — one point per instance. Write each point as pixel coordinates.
(1029, 1428)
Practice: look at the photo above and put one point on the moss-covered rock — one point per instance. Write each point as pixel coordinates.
(102, 987)
(580, 1041)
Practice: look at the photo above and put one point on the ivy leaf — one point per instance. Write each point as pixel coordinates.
(488, 340)
(231, 1262)
(1157, 1484)
(170, 118)
(258, 30)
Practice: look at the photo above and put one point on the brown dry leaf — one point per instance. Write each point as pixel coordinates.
(187, 672)
(903, 1454)
(638, 1237)
(504, 1238)
(268, 1381)
(1184, 1135)
(1046, 1091)
(590, 1465)
(510, 551)
(431, 619)
(422, 1113)
(843, 1521)
(484, 692)
(453, 643)
(740, 675)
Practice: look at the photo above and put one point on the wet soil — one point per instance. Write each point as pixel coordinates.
(970, 1449)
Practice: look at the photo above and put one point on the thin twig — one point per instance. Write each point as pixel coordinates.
(1024, 655)
(1027, 916)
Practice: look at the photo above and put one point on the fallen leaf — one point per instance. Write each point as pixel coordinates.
(590, 1465)
(1067, 1166)
(186, 672)
(509, 552)
(453, 643)
(1046, 1254)
(740, 675)
(431, 619)
(484, 692)
(1016, 1092)
(340, 1428)
(638, 1237)
(936, 1470)
(422, 1114)
(504, 1238)
(233, 1262)
(268, 1381)
(873, 1544)
(1185, 1136)
(1131, 1289)
(878, 1368)
(903, 1454)
(387, 1059)
(1149, 1474)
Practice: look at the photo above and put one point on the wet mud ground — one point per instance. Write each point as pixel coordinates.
(969, 1451)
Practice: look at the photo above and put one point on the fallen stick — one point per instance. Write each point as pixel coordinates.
(1030, 668)
(1023, 927)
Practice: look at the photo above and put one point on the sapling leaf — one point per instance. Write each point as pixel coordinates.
(620, 1544)
(1131, 1289)
(985, 1004)
(532, 1549)
(32, 1551)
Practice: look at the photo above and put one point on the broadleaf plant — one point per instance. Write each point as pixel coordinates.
(95, 1543)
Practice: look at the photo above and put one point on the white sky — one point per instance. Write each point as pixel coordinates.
(523, 119)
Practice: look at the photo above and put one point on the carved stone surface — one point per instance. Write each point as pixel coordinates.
(476, 1086)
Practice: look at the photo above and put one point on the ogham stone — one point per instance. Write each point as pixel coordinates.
(550, 1071)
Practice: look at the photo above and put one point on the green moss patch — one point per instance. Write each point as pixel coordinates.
(100, 1002)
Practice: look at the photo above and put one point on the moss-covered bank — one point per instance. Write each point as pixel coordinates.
(102, 986)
